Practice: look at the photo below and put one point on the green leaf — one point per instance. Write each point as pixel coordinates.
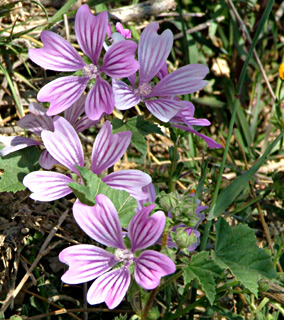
(139, 128)
(204, 270)
(59, 13)
(237, 250)
(16, 166)
(228, 195)
(123, 202)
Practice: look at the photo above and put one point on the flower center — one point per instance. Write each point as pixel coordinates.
(124, 255)
(90, 71)
(145, 89)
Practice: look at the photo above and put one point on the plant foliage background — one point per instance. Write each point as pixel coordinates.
(237, 270)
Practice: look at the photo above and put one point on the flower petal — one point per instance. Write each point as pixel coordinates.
(187, 79)
(210, 142)
(73, 113)
(100, 222)
(131, 181)
(46, 161)
(153, 51)
(99, 100)
(37, 109)
(119, 61)
(150, 189)
(36, 123)
(150, 267)
(164, 109)
(124, 96)
(16, 143)
(47, 185)
(91, 31)
(84, 123)
(64, 144)
(108, 148)
(110, 288)
(86, 262)
(56, 54)
(62, 93)
(143, 231)
(126, 33)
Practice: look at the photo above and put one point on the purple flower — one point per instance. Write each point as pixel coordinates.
(65, 146)
(58, 54)
(153, 50)
(88, 262)
(37, 121)
(185, 120)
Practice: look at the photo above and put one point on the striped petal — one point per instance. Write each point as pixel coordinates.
(131, 181)
(86, 262)
(37, 109)
(16, 143)
(108, 148)
(73, 113)
(56, 54)
(64, 144)
(210, 142)
(100, 222)
(62, 93)
(91, 31)
(124, 96)
(150, 267)
(119, 61)
(84, 123)
(99, 100)
(153, 51)
(47, 185)
(144, 231)
(110, 288)
(187, 79)
(36, 123)
(164, 109)
(46, 160)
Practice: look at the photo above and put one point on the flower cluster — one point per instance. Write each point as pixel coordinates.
(71, 111)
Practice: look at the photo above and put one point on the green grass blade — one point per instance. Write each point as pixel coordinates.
(58, 15)
(228, 195)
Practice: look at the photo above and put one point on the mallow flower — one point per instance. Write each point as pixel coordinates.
(37, 121)
(65, 147)
(59, 55)
(111, 271)
(185, 120)
(153, 50)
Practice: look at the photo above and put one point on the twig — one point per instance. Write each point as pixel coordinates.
(43, 251)
(141, 11)
(199, 27)
(63, 311)
(50, 302)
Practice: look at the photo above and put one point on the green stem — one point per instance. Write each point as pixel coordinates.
(237, 98)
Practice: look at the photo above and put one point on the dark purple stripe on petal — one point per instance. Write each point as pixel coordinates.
(100, 222)
(64, 144)
(187, 79)
(110, 288)
(143, 230)
(62, 93)
(164, 109)
(153, 51)
(108, 148)
(86, 262)
(124, 96)
(91, 31)
(150, 267)
(119, 61)
(47, 185)
(57, 54)
(99, 100)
